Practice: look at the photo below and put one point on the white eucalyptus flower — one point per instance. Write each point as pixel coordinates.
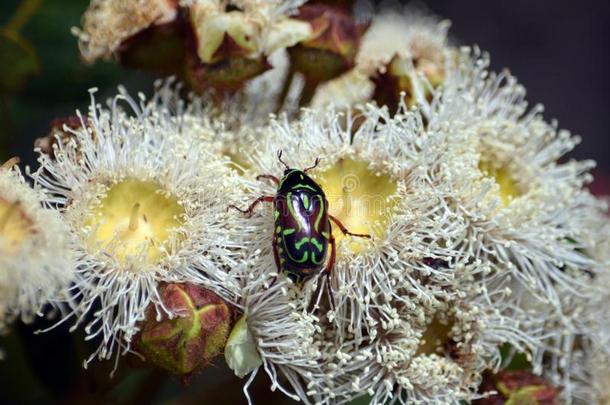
(579, 361)
(408, 34)
(349, 89)
(402, 50)
(389, 291)
(374, 186)
(107, 23)
(282, 331)
(255, 27)
(434, 352)
(35, 249)
(528, 212)
(598, 370)
(147, 204)
(525, 209)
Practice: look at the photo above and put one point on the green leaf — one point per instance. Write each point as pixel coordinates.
(19, 61)
(519, 360)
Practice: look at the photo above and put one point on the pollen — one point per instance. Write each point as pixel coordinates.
(504, 179)
(136, 220)
(15, 226)
(359, 197)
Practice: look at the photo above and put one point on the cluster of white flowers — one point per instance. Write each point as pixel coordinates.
(35, 249)
(262, 25)
(482, 239)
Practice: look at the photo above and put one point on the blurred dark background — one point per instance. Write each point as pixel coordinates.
(558, 49)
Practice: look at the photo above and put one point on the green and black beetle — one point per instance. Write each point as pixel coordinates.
(303, 231)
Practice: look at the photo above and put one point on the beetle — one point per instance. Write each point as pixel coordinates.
(303, 230)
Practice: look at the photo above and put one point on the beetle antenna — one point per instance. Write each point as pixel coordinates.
(315, 164)
(279, 156)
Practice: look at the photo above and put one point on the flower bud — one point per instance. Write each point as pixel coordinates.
(108, 23)
(241, 354)
(228, 75)
(222, 35)
(331, 48)
(517, 388)
(159, 49)
(57, 133)
(404, 54)
(405, 77)
(242, 29)
(194, 334)
(228, 47)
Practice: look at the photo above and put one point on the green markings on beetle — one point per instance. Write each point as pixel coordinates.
(316, 243)
(291, 208)
(296, 186)
(305, 201)
(320, 214)
(288, 251)
(307, 186)
(289, 231)
(311, 240)
(301, 242)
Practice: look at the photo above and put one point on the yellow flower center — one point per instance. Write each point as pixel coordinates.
(435, 337)
(135, 218)
(359, 197)
(15, 226)
(508, 187)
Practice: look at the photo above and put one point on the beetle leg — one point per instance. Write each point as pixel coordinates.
(333, 254)
(270, 177)
(276, 255)
(344, 229)
(329, 268)
(250, 209)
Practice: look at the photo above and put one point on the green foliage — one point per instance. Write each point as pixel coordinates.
(48, 79)
(20, 62)
(518, 362)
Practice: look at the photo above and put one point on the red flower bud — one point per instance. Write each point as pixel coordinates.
(331, 48)
(195, 334)
(517, 388)
(57, 132)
